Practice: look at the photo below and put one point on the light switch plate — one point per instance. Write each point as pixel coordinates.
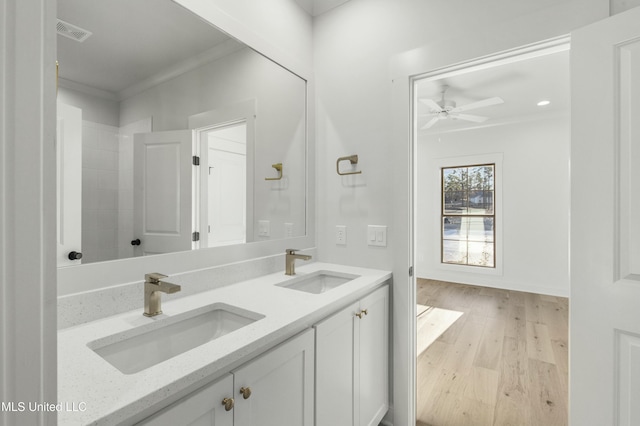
(377, 235)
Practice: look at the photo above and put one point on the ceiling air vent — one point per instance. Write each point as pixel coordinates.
(71, 31)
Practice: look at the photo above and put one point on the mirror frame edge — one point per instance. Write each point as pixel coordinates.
(95, 276)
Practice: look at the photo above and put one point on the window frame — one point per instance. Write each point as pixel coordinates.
(493, 216)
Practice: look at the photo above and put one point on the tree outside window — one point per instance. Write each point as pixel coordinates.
(468, 215)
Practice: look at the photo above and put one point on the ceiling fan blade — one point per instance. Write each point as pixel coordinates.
(480, 104)
(433, 106)
(430, 123)
(469, 117)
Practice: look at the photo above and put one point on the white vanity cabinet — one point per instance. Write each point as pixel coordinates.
(204, 407)
(280, 384)
(275, 389)
(352, 363)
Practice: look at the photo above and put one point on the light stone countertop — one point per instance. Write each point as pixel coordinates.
(110, 397)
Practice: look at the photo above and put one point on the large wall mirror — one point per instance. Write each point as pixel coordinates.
(172, 135)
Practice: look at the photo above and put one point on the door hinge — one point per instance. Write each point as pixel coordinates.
(195, 236)
(196, 160)
(410, 271)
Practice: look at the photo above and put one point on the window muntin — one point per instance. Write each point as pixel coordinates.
(468, 215)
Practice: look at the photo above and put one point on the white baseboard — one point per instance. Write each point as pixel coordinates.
(503, 285)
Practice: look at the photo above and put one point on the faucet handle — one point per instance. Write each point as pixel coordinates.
(291, 251)
(154, 277)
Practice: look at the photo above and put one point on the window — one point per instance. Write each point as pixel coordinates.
(468, 215)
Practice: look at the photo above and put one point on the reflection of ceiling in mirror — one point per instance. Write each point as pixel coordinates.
(131, 40)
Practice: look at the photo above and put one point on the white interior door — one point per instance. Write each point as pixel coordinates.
(225, 183)
(605, 222)
(69, 183)
(163, 173)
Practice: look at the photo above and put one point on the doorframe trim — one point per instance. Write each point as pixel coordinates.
(527, 51)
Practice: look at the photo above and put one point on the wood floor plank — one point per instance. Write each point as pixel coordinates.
(504, 362)
(549, 405)
(516, 324)
(547, 298)
(482, 385)
(460, 358)
(556, 323)
(454, 410)
(490, 348)
(538, 343)
(532, 307)
(512, 405)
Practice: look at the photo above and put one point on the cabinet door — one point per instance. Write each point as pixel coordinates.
(201, 408)
(373, 383)
(335, 358)
(281, 385)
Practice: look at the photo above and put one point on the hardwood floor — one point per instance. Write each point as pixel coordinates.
(504, 362)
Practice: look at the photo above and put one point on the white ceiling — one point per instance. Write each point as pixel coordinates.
(317, 7)
(520, 84)
(131, 40)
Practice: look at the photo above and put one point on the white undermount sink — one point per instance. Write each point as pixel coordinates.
(145, 346)
(318, 282)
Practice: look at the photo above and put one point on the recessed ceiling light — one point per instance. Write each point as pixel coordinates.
(544, 103)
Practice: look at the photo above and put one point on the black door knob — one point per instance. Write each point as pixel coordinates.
(74, 255)
(135, 242)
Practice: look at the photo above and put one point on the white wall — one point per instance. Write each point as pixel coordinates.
(533, 221)
(364, 53)
(94, 108)
(358, 48)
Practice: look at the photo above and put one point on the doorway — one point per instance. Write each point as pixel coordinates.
(226, 200)
(491, 140)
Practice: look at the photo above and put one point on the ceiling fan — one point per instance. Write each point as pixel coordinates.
(444, 109)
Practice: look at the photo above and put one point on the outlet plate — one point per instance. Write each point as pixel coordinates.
(341, 235)
(264, 228)
(288, 230)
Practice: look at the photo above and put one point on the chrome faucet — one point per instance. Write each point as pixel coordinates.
(290, 261)
(152, 289)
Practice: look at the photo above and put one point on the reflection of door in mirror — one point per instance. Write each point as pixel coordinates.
(226, 183)
(69, 184)
(162, 190)
(225, 142)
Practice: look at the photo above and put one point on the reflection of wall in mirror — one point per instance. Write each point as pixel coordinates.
(280, 138)
(280, 124)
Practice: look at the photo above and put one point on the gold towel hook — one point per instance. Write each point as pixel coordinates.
(353, 159)
(278, 167)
